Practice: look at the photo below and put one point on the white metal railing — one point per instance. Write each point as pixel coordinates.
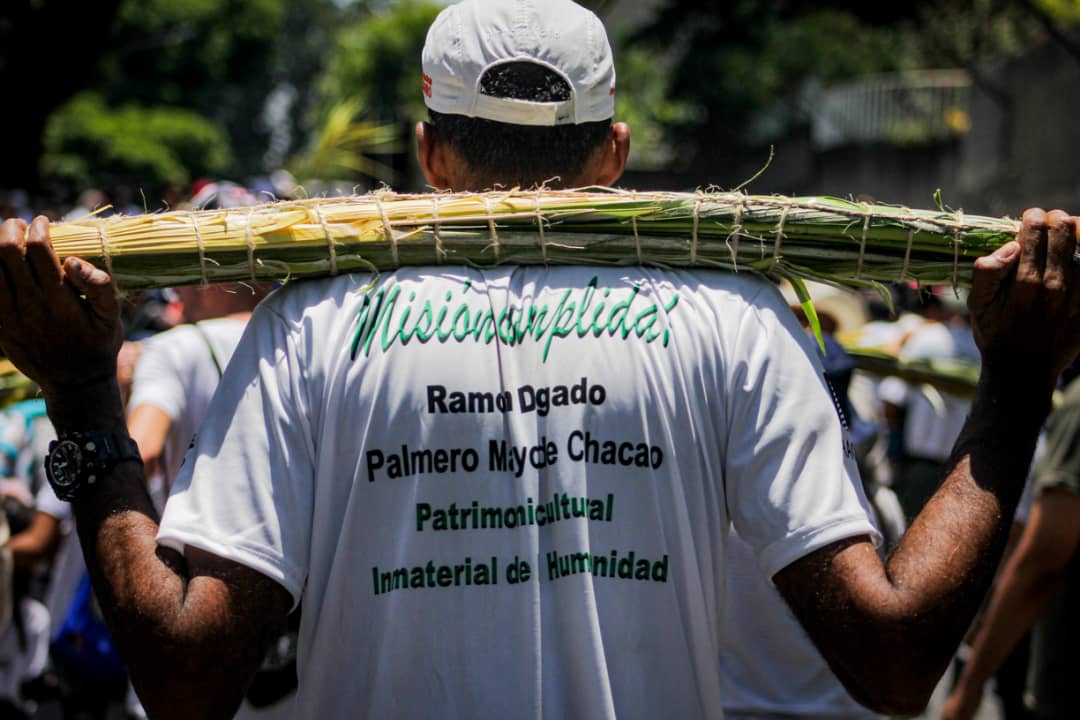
(903, 109)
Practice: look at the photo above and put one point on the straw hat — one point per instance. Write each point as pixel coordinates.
(846, 307)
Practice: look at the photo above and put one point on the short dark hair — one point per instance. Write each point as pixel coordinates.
(521, 155)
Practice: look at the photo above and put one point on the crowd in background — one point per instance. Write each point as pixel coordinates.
(55, 656)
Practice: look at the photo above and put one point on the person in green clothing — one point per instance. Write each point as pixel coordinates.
(1039, 586)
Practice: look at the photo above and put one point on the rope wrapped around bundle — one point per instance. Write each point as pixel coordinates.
(820, 238)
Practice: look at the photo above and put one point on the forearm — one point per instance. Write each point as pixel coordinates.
(36, 543)
(149, 427)
(941, 570)
(157, 614)
(192, 629)
(915, 608)
(1018, 600)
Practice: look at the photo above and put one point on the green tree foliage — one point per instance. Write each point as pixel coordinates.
(731, 62)
(1066, 12)
(89, 143)
(218, 61)
(377, 62)
(343, 147)
(642, 101)
(212, 57)
(374, 67)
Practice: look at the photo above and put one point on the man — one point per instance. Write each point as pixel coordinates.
(178, 370)
(174, 381)
(927, 425)
(1038, 586)
(487, 525)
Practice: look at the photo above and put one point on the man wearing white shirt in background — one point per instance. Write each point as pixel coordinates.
(927, 421)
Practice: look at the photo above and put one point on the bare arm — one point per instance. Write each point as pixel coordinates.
(914, 608)
(38, 542)
(1027, 583)
(192, 629)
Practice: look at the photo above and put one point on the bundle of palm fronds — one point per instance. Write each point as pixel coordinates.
(14, 386)
(820, 238)
(955, 377)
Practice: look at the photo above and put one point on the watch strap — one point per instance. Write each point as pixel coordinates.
(98, 451)
(103, 449)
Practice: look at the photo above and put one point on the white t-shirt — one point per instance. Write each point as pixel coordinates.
(769, 667)
(934, 420)
(507, 493)
(17, 663)
(177, 374)
(68, 565)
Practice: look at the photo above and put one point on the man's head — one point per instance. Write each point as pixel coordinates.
(519, 93)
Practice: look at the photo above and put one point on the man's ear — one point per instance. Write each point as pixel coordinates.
(611, 159)
(431, 152)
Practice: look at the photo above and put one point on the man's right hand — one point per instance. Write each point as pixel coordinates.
(1025, 301)
(59, 325)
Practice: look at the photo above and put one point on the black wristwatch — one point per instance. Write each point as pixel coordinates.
(78, 459)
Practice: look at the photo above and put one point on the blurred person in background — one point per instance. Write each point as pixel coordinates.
(46, 551)
(174, 382)
(179, 370)
(1039, 587)
(90, 202)
(15, 204)
(924, 422)
(24, 641)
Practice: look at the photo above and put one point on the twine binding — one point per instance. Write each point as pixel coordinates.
(105, 254)
(329, 239)
(540, 228)
(388, 230)
(862, 243)
(637, 237)
(491, 226)
(736, 231)
(249, 240)
(956, 254)
(435, 225)
(907, 255)
(201, 248)
(697, 225)
(778, 244)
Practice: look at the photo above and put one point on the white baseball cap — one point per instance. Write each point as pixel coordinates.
(472, 37)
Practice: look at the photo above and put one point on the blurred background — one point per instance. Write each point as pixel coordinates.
(138, 103)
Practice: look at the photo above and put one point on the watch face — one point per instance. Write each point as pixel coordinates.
(65, 461)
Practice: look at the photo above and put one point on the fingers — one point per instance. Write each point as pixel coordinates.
(990, 274)
(12, 271)
(30, 267)
(94, 284)
(1060, 248)
(1032, 239)
(44, 265)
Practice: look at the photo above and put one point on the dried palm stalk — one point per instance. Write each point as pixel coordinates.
(820, 238)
